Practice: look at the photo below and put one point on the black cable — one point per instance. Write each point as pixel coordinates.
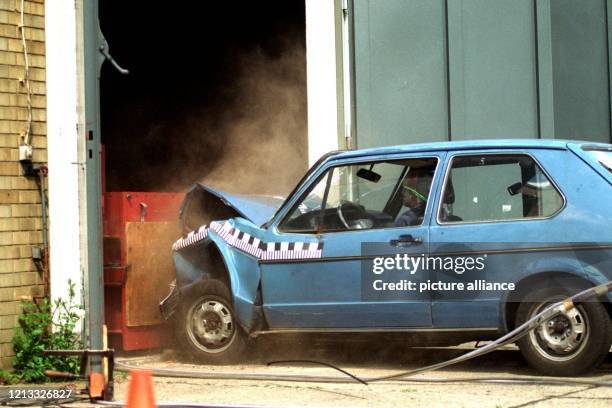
(320, 363)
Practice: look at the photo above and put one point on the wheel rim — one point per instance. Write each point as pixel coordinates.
(210, 325)
(563, 337)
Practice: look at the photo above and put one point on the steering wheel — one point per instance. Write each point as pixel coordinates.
(353, 216)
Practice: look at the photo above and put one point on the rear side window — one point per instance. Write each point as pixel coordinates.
(497, 188)
(603, 157)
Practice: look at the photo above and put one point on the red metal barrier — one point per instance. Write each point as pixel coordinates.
(139, 229)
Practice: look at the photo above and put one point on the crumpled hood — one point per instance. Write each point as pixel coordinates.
(203, 204)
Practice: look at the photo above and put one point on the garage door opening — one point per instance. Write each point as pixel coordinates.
(216, 93)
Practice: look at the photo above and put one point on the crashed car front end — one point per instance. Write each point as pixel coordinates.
(209, 218)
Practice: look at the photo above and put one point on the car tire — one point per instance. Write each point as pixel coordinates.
(207, 329)
(569, 344)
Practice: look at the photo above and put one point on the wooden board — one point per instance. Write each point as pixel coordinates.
(149, 256)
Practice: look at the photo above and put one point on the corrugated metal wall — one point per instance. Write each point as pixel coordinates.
(428, 70)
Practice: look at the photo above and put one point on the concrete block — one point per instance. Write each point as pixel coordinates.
(23, 292)
(6, 349)
(5, 211)
(29, 224)
(6, 276)
(9, 224)
(39, 101)
(9, 85)
(26, 197)
(8, 322)
(25, 210)
(6, 238)
(6, 335)
(14, 44)
(7, 294)
(8, 57)
(9, 31)
(6, 363)
(27, 237)
(34, 8)
(9, 252)
(39, 129)
(9, 169)
(8, 197)
(37, 74)
(29, 278)
(14, 113)
(36, 61)
(34, 21)
(8, 5)
(8, 154)
(5, 127)
(39, 155)
(22, 183)
(37, 88)
(39, 114)
(23, 265)
(25, 251)
(10, 309)
(5, 183)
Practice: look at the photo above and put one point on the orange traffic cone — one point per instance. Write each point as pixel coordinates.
(140, 390)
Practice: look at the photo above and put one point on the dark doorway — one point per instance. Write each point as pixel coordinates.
(216, 93)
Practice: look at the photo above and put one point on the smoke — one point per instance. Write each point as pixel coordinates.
(247, 135)
(262, 143)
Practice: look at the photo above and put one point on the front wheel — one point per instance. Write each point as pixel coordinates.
(207, 327)
(569, 344)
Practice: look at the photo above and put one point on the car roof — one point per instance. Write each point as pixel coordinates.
(556, 144)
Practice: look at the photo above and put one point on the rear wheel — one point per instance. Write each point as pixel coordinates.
(571, 343)
(207, 328)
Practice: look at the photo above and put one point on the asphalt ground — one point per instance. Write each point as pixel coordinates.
(370, 360)
(364, 360)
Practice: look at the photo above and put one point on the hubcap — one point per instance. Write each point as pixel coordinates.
(211, 326)
(562, 337)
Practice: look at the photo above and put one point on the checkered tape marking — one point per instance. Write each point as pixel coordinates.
(252, 245)
(191, 238)
(266, 250)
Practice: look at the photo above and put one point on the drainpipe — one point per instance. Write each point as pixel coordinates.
(42, 172)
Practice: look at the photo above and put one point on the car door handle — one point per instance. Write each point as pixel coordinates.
(406, 240)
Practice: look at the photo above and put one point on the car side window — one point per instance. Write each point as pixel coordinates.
(497, 188)
(362, 196)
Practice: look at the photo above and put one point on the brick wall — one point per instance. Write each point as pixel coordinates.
(20, 209)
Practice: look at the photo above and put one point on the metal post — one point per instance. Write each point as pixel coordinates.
(92, 60)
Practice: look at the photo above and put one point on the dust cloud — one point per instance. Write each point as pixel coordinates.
(254, 144)
(265, 149)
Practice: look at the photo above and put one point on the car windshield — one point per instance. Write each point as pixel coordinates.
(361, 196)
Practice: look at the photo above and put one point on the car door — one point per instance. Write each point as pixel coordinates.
(496, 208)
(336, 289)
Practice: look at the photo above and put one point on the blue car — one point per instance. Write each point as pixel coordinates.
(448, 242)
